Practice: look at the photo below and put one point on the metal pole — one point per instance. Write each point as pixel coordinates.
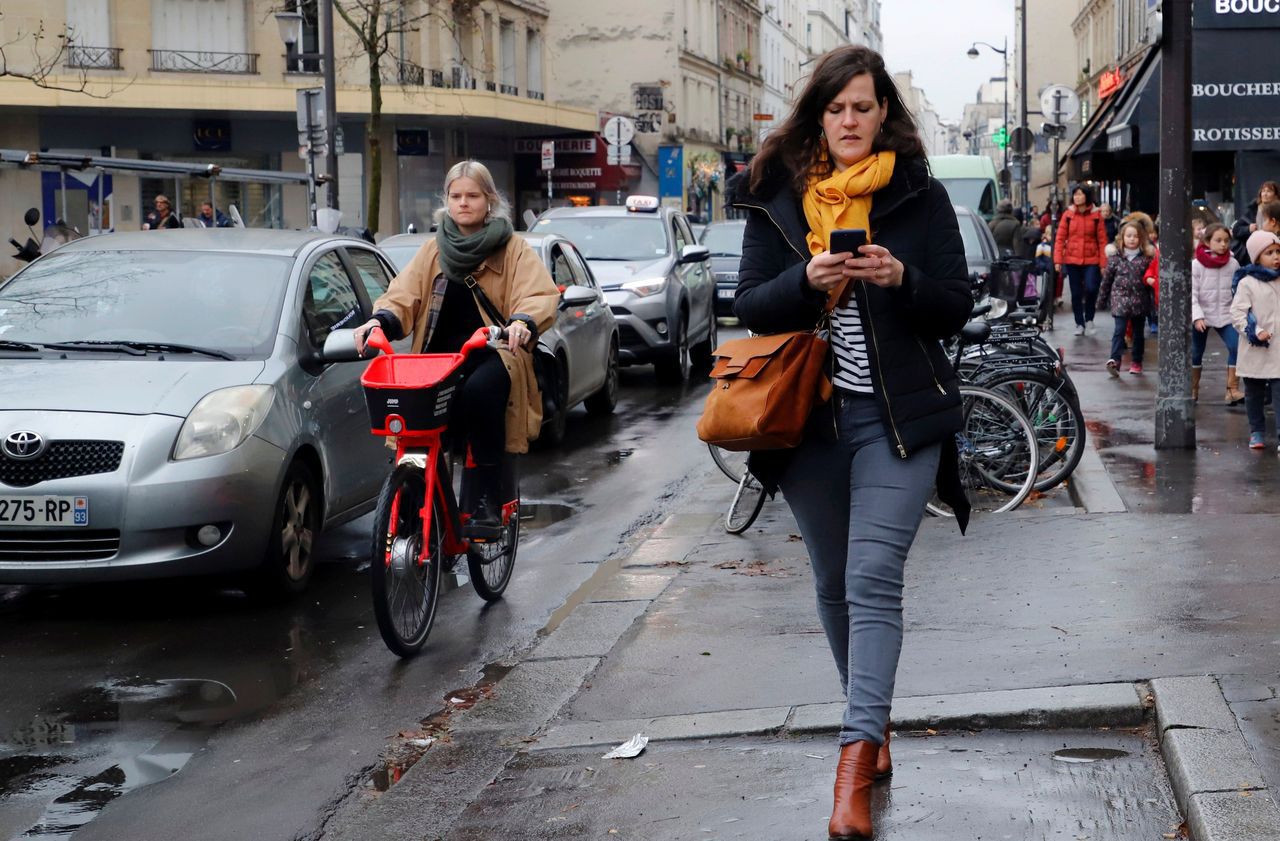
(1175, 413)
(1022, 118)
(63, 193)
(102, 211)
(1005, 127)
(330, 101)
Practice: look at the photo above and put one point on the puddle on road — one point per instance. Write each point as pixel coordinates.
(1085, 755)
(539, 515)
(411, 745)
(616, 457)
(99, 718)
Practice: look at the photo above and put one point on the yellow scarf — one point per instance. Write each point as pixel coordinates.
(844, 199)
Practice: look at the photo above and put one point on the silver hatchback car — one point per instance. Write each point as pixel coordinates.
(167, 409)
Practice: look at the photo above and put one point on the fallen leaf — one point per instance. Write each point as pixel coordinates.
(793, 538)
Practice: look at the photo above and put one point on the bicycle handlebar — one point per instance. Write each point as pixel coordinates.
(480, 338)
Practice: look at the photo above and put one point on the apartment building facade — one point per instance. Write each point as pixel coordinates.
(209, 81)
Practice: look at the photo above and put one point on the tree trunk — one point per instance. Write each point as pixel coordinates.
(374, 142)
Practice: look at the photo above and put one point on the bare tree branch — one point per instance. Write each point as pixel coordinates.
(44, 53)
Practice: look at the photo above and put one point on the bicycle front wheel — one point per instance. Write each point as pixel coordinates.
(406, 583)
(732, 464)
(746, 505)
(997, 450)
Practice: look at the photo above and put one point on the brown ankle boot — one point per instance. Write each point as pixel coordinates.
(1234, 395)
(884, 761)
(851, 813)
(1195, 385)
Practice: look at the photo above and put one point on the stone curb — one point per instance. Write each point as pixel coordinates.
(1217, 784)
(1095, 705)
(1091, 486)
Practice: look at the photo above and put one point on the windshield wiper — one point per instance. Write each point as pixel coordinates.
(10, 344)
(138, 348)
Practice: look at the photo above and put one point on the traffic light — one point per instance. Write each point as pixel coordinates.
(1000, 137)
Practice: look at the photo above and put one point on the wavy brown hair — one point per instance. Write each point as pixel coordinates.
(793, 150)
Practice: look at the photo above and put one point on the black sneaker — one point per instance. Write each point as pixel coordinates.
(486, 522)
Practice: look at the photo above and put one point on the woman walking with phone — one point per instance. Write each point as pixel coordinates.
(849, 158)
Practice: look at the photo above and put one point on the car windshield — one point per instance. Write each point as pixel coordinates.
(632, 237)
(400, 255)
(973, 193)
(221, 301)
(724, 240)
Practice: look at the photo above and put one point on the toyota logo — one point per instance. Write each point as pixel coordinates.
(22, 445)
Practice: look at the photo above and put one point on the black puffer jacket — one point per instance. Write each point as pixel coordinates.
(914, 382)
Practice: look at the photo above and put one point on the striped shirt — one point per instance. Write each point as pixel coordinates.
(849, 343)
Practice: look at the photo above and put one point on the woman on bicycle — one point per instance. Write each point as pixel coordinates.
(849, 156)
(439, 297)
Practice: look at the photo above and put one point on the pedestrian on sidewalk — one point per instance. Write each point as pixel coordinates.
(1255, 312)
(1211, 273)
(849, 155)
(1109, 219)
(1005, 228)
(1081, 250)
(1124, 292)
(1251, 221)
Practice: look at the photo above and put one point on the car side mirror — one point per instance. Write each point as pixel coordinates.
(695, 254)
(340, 346)
(578, 296)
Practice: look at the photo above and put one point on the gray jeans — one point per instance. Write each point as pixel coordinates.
(859, 506)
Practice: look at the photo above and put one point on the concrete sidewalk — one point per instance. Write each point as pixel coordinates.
(1132, 632)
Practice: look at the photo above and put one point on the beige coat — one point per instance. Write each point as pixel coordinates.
(517, 282)
(1263, 298)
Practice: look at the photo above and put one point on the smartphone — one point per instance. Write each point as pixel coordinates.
(847, 240)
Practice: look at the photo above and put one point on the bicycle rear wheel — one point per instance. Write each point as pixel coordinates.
(746, 505)
(997, 449)
(732, 464)
(491, 563)
(405, 587)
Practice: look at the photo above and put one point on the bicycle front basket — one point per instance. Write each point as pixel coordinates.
(416, 388)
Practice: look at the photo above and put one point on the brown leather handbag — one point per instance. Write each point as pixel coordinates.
(763, 390)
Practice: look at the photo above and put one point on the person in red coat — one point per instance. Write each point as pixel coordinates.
(1081, 249)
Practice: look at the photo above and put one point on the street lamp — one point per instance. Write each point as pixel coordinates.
(290, 26)
(1004, 56)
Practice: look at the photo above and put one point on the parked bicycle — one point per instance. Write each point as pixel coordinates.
(418, 524)
(749, 499)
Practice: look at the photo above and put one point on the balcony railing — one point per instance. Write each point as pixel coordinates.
(535, 94)
(462, 79)
(437, 78)
(408, 73)
(293, 63)
(198, 61)
(491, 86)
(93, 58)
(509, 90)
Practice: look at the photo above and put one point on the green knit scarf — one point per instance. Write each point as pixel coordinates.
(461, 255)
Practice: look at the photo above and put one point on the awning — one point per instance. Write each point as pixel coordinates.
(1137, 117)
(1094, 137)
(133, 166)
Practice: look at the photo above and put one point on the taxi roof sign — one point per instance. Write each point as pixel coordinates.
(642, 204)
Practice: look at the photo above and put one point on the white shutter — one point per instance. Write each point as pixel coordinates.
(89, 23)
(199, 25)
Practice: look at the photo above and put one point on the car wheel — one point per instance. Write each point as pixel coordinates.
(290, 558)
(701, 355)
(674, 369)
(605, 400)
(553, 428)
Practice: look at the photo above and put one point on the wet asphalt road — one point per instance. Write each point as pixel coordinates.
(182, 709)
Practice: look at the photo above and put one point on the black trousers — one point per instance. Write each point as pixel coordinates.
(480, 410)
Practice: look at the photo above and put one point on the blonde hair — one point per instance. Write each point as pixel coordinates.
(498, 206)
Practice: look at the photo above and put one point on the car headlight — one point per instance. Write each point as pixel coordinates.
(222, 420)
(645, 288)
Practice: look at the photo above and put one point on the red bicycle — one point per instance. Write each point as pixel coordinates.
(418, 527)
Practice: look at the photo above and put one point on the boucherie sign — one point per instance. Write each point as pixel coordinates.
(1237, 14)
